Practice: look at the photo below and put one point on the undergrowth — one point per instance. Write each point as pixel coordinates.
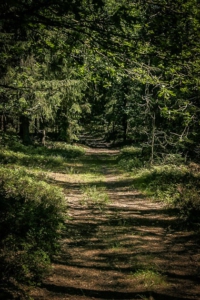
(32, 214)
(32, 211)
(172, 181)
(93, 196)
(53, 156)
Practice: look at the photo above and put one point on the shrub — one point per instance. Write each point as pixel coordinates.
(189, 202)
(173, 159)
(175, 185)
(56, 155)
(32, 214)
(130, 164)
(66, 150)
(130, 158)
(131, 151)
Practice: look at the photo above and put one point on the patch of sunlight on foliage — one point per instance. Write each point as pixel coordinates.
(91, 178)
(40, 157)
(30, 160)
(32, 215)
(149, 278)
(50, 149)
(93, 196)
(127, 151)
(130, 158)
(37, 174)
(76, 177)
(66, 150)
(161, 181)
(175, 185)
(54, 156)
(173, 159)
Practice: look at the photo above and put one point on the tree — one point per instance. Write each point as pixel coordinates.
(32, 30)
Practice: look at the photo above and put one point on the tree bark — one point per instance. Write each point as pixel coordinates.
(24, 130)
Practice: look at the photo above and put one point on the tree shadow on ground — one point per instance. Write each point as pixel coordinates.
(109, 295)
(124, 244)
(131, 248)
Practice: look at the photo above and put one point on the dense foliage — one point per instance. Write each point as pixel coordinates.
(128, 70)
(33, 210)
(31, 216)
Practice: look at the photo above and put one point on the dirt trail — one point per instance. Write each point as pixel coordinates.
(129, 248)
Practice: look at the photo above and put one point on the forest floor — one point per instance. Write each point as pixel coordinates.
(118, 244)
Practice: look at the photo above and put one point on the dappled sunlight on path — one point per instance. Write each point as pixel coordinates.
(126, 248)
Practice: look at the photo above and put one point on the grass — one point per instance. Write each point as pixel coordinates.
(46, 158)
(69, 167)
(149, 278)
(45, 161)
(93, 196)
(147, 273)
(172, 181)
(177, 186)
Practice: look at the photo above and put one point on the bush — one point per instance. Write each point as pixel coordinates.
(130, 158)
(32, 214)
(175, 185)
(66, 150)
(53, 156)
(189, 202)
(130, 164)
(31, 160)
(173, 159)
(131, 151)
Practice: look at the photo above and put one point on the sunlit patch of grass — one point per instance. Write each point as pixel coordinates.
(91, 178)
(51, 148)
(65, 150)
(94, 196)
(160, 182)
(24, 171)
(149, 278)
(73, 177)
(29, 160)
(54, 157)
(176, 185)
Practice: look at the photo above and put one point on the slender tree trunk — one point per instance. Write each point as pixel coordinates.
(24, 130)
(124, 123)
(3, 127)
(35, 126)
(124, 117)
(43, 132)
(153, 138)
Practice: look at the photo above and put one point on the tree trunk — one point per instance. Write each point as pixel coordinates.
(35, 126)
(42, 132)
(153, 138)
(3, 125)
(124, 117)
(24, 130)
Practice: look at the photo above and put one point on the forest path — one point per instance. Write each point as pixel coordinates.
(118, 244)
